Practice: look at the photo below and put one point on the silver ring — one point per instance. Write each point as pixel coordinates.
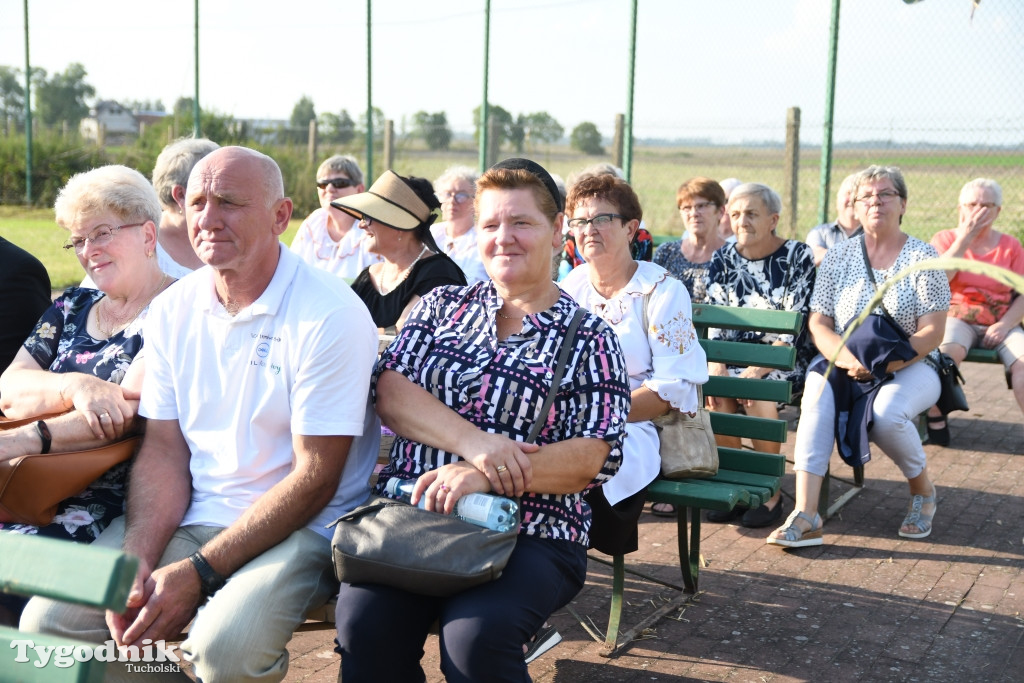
(105, 415)
(501, 468)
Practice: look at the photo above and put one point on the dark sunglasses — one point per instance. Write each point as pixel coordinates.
(339, 183)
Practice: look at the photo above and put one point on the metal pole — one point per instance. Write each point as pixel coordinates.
(28, 115)
(627, 135)
(484, 109)
(369, 95)
(830, 101)
(196, 127)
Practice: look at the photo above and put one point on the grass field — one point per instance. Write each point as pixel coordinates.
(934, 180)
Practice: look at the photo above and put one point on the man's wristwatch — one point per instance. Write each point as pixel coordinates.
(210, 581)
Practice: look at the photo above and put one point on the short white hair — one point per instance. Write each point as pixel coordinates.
(116, 189)
(984, 184)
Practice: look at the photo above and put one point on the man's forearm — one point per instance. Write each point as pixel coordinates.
(287, 507)
(159, 493)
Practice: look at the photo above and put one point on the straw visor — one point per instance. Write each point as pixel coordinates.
(389, 201)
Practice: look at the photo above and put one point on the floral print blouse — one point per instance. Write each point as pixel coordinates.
(693, 275)
(60, 343)
(782, 281)
(449, 346)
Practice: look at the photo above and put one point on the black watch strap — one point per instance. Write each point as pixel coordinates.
(210, 581)
(44, 434)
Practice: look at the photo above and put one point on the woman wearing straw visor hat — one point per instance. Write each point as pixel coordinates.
(396, 214)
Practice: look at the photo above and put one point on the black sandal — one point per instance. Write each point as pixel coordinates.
(939, 435)
(666, 510)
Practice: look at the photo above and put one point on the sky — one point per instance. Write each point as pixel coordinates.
(724, 69)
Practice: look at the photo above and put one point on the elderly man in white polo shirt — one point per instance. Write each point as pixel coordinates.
(258, 371)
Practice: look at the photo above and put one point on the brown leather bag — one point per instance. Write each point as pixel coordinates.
(32, 486)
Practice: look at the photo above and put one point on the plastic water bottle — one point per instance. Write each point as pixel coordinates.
(488, 510)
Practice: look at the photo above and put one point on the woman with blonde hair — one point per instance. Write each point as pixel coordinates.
(83, 361)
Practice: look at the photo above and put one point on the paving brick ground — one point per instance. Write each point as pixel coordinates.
(866, 606)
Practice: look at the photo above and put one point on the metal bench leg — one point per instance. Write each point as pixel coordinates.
(825, 509)
(689, 547)
(615, 614)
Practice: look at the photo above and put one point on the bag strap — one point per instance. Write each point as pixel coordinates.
(874, 283)
(563, 358)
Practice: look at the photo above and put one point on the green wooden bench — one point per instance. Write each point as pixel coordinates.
(61, 570)
(745, 477)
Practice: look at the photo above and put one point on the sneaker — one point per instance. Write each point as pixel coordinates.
(545, 639)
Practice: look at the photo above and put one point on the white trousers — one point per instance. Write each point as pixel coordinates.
(913, 390)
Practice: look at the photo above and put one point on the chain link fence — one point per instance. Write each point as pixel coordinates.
(900, 99)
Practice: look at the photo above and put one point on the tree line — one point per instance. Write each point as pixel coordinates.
(435, 132)
(63, 97)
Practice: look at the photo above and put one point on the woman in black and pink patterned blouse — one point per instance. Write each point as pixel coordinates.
(461, 385)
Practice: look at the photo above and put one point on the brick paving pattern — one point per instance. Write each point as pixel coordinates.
(866, 606)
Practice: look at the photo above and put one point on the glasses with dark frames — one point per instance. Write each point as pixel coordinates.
(338, 183)
(601, 220)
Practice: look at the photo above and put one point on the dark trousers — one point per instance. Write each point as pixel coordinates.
(613, 528)
(381, 630)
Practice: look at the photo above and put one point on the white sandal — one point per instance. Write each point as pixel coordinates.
(922, 521)
(793, 536)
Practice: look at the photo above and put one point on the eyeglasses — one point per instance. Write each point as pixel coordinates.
(101, 235)
(883, 197)
(699, 206)
(338, 183)
(601, 220)
(365, 222)
(457, 197)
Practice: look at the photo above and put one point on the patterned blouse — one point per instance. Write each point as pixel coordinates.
(782, 281)
(693, 275)
(844, 288)
(449, 346)
(60, 343)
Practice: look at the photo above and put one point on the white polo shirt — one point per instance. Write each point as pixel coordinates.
(297, 361)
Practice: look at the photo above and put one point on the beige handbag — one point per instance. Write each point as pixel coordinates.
(687, 444)
(688, 449)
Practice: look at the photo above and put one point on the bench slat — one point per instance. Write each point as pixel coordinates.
(27, 672)
(977, 355)
(741, 353)
(761, 428)
(71, 572)
(746, 319)
(756, 462)
(696, 493)
(778, 391)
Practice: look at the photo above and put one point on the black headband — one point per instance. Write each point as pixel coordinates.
(537, 171)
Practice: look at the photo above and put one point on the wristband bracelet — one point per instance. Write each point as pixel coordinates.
(210, 581)
(44, 434)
